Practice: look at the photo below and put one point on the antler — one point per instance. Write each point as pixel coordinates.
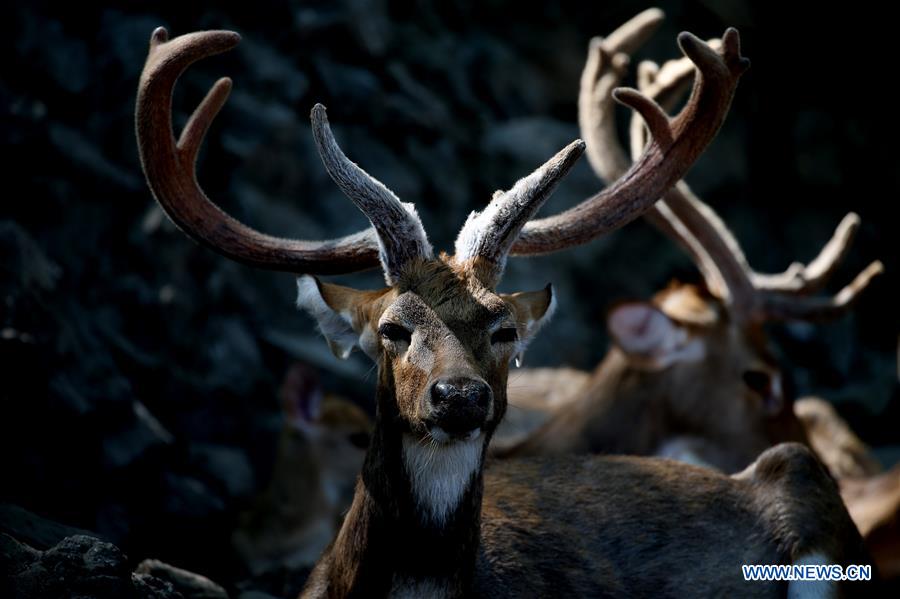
(684, 217)
(676, 144)
(401, 236)
(490, 234)
(170, 170)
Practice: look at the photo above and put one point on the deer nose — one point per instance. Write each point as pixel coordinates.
(459, 406)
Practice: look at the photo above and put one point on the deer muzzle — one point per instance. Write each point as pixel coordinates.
(458, 408)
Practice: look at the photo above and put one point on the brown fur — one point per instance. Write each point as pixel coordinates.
(845, 455)
(652, 526)
(874, 505)
(619, 391)
(872, 497)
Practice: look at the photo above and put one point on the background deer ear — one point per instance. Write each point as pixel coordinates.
(337, 309)
(650, 338)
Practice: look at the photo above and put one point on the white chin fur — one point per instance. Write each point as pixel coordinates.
(440, 470)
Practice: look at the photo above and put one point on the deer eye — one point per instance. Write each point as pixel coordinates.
(507, 335)
(394, 332)
(758, 381)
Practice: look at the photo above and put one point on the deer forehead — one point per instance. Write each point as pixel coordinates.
(446, 299)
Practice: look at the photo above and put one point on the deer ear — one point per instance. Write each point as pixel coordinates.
(340, 312)
(532, 310)
(651, 339)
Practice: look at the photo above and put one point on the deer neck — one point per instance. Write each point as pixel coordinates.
(413, 527)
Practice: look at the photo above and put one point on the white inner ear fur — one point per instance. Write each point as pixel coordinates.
(645, 333)
(337, 327)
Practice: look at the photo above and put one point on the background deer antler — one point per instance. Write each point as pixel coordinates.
(675, 145)
(685, 218)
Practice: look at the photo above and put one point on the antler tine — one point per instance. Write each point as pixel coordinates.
(604, 68)
(669, 83)
(676, 144)
(170, 169)
(401, 236)
(666, 85)
(813, 276)
(717, 253)
(662, 218)
(603, 71)
(489, 234)
(776, 306)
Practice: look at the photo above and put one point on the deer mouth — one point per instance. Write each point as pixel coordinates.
(443, 436)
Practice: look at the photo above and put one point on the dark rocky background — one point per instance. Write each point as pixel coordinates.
(140, 371)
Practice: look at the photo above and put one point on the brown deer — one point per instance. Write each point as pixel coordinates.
(691, 366)
(690, 371)
(319, 453)
(426, 518)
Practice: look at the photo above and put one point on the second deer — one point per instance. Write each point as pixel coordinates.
(690, 375)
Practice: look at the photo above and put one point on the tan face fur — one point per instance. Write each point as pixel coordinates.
(440, 321)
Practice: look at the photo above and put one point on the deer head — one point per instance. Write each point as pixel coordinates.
(691, 362)
(440, 333)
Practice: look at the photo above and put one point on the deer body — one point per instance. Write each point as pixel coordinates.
(427, 517)
(534, 540)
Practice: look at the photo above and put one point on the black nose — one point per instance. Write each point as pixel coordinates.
(459, 405)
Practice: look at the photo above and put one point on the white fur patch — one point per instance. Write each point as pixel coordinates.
(440, 473)
(688, 350)
(682, 449)
(369, 343)
(812, 589)
(336, 327)
(642, 330)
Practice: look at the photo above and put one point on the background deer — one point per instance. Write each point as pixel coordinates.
(690, 372)
(426, 518)
(689, 349)
(320, 451)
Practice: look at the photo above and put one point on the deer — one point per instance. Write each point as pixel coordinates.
(319, 453)
(692, 366)
(690, 371)
(429, 517)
